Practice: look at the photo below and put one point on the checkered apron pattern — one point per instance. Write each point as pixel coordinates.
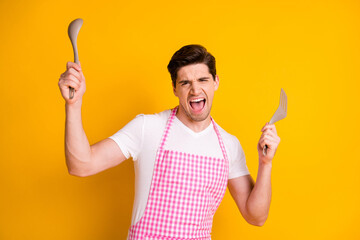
(186, 190)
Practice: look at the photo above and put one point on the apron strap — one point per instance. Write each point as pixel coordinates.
(222, 145)
(167, 128)
(169, 124)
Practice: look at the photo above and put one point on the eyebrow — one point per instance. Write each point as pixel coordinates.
(185, 80)
(203, 78)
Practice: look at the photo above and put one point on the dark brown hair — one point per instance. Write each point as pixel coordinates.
(190, 54)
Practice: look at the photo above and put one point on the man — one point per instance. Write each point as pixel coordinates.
(183, 159)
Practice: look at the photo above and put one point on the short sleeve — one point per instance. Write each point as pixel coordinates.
(237, 161)
(130, 137)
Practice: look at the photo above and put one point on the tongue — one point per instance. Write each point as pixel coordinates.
(197, 106)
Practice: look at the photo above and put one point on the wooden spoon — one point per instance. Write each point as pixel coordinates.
(73, 30)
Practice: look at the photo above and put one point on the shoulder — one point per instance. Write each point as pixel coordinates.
(154, 122)
(157, 116)
(236, 155)
(232, 145)
(160, 118)
(230, 140)
(140, 121)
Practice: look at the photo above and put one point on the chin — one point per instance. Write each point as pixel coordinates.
(199, 117)
(195, 117)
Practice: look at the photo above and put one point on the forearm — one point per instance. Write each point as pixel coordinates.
(258, 203)
(77, 147)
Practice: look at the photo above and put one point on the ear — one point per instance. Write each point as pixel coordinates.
(216, 82)
(174, 89)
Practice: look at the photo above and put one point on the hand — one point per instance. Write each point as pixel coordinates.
(73, 77)
(270, 138)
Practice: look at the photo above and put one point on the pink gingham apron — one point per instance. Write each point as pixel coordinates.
(186, 190)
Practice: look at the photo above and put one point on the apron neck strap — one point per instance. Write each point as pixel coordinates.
(170, 122)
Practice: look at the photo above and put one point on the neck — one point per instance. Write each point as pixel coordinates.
(196, 126)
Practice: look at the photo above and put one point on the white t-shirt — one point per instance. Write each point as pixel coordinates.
(140, 139)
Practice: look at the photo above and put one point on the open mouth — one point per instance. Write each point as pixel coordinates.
(197, 104)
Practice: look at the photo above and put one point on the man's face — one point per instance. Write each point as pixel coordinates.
(195, 88)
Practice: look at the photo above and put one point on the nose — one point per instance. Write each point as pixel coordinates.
(195, 88)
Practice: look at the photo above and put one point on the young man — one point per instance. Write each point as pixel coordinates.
(183, 159)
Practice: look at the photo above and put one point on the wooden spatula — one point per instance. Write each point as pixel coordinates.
(280, 113)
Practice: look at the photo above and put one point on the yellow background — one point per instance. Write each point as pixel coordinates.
(309, 48)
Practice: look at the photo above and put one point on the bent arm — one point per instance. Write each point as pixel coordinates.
(253, 200)
(81, 158)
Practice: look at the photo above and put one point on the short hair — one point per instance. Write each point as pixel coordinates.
(190, 54)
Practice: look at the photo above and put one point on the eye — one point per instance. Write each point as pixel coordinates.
(184, 83)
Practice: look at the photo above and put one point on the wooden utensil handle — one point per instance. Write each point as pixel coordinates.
(71, 92)
(265, 150)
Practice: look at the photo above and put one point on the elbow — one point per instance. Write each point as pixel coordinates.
(78, 174)
(83, 171)
(259, 222)
(257, 215)
(78, 166)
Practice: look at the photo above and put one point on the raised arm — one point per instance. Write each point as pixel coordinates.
(81, 158)
(253, 199)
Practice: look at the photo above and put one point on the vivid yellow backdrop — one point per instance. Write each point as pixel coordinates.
(309, 48)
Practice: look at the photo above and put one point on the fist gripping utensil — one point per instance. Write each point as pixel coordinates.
(279, 114)
(73, 30)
